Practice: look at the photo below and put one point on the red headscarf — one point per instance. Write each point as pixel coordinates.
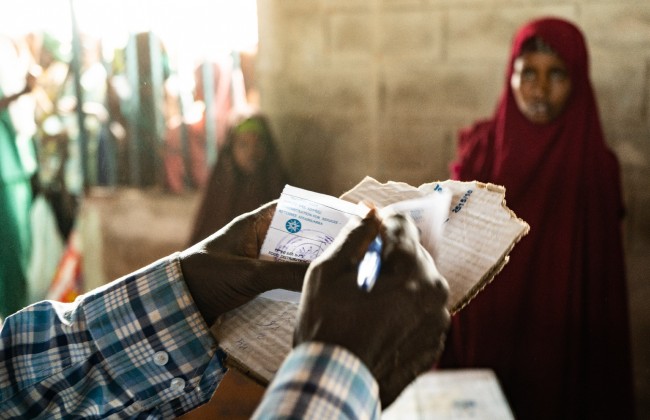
(554, 324)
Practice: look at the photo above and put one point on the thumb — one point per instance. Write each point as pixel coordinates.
(352, 242)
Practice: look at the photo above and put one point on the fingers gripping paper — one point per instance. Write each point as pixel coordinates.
(469, 249)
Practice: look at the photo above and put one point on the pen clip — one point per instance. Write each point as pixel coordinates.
(369, 267)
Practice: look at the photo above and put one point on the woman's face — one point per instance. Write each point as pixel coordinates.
(248, 152)
(541, 86)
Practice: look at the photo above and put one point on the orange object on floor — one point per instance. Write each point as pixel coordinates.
(236, 398)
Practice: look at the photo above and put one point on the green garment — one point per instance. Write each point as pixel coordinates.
(15, 202)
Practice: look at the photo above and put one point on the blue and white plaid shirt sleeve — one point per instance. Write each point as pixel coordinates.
(135, 348)
(319, 381)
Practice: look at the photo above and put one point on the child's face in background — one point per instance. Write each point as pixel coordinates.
(541, 86)
(248, 152)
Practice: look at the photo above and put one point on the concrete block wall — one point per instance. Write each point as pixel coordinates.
(380, 88)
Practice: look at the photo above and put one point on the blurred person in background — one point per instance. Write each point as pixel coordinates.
(248, 172)
(17, 168)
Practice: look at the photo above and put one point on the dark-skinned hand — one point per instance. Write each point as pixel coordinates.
(223, 271)
(398, 328)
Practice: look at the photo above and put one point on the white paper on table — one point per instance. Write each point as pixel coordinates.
(451, 395)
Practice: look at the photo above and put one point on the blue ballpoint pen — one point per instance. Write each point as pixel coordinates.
(370, 265)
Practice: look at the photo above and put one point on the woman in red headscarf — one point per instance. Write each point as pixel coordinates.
(554, 324)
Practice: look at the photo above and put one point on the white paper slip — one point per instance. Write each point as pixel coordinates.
(452, 395)
(429, 213)
(304, 224)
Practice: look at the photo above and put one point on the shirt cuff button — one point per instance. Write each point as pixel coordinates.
(177, 384)
(161, 358)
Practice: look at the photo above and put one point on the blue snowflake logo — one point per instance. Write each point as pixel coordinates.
(293, 225)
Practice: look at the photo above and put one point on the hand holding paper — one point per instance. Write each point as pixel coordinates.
(396, 329)
(234, 249)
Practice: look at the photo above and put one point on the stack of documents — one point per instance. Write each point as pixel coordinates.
(465, 226)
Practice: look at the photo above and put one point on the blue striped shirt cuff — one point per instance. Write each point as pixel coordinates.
(134, 346)
(321, 381)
